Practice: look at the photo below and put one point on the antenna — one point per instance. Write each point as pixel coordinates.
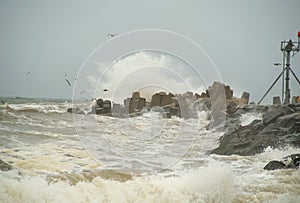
(287, 47)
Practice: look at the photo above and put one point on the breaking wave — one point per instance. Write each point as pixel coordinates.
(40, 108)
(210, 184)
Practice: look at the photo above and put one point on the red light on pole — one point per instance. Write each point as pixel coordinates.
(299, 34)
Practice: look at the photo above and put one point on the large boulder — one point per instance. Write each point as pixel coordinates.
(135, 103)
(157, 98)
(167, 99)
(107, 106)
(100, 103)
(245, 97)
(228, 92)
(141, 103)
(218, 104)
(274, 165)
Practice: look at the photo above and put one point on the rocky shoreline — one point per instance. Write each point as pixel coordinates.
(278, 128)
(218, 99)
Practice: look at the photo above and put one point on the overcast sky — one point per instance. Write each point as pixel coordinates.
(53, 38)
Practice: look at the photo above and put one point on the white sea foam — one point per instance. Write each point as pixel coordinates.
(214, 182)
(209, 184)
(247, 118)
(39, 107)
(196, 177)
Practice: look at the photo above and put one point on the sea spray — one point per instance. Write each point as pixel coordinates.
(208, 184)
(247, 118)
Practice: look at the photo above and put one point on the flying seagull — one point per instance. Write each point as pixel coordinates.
(112, 34)
(68, 81)
(28, 73)
(277, 64)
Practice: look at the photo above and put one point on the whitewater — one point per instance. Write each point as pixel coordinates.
(51, 163)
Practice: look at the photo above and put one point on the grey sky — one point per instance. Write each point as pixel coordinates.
(51, 38)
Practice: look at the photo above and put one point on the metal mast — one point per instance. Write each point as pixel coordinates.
(287, 47)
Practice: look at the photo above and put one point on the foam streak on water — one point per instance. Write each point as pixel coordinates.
(51, 165)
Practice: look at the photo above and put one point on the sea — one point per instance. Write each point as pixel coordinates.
(60, 157)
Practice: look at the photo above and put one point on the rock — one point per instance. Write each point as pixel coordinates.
(276, 101)
(242, 141)
(288, 121)
(100, 103)
(238, 113)
(117, 110)
(167, 100)
(162, 99)
(5, 166)
(135, 103)
(275, 131)
(228, 92)
(235, 103)
(274, 165)
(75, 110)
(295, 160)
(141, 103)
(255, 108)
(174, 111)
(231, 107)
(157, 109)
(197, 96)
(245, 97)
(188, 95)
(218, 104)
(126, 102)
(294, 100)
(271, 116)
(107, 104)
(135, 95)
(204, 95)
(156, 99)
(296, 107)
(291, 161)
(99, 110)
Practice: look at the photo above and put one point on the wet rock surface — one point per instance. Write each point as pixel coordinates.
(274, 165)
(291, 161)
(279, 127)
